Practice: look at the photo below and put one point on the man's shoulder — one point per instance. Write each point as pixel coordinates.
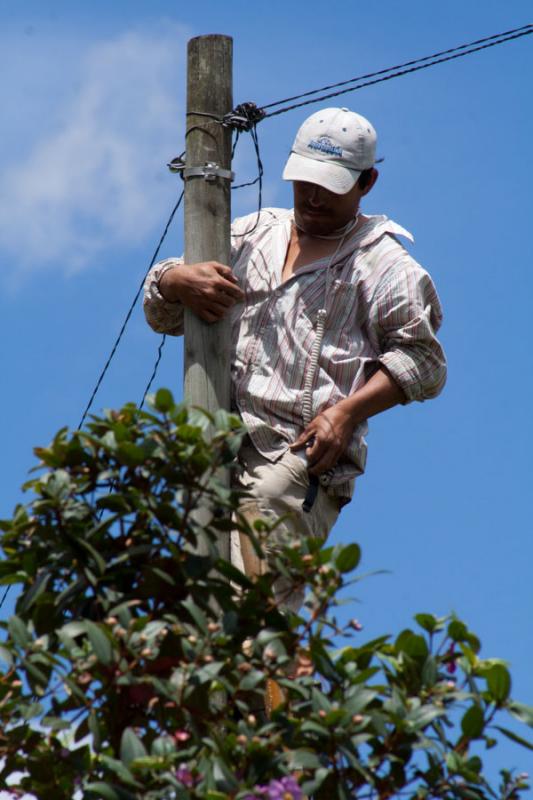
(382, 254)
(256, 223)
(378, 227)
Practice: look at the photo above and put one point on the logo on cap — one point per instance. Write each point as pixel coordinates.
(324, 145)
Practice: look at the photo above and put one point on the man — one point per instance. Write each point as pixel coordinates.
(332, 323)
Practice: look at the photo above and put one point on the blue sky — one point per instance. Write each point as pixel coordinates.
(93, 108)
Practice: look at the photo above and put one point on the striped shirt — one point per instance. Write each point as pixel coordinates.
(382, 309)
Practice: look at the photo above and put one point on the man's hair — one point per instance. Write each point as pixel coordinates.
(364, 178)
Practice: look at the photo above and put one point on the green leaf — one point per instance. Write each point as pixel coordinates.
(18, 631)
(458, 631)
(56, 723)
(429, 672)
(421, 717)
(358, 700)
(313, 727)
(120, 769)
(474, 764)
(37, 588)
(103, 790)
(251, 680)
(429, 622)
(196, 613)
(412, 644)
(33, 710)
(316, 782)
(499, 683)
(100, 643)
(95, 555)
(454, 762)
(6, 656)
(73, 629)
(163, 746)
(13, 577)
(163, 400)
(94, 728)
(303, 759)
(520, 711)
(149, 762)
(130, 454)
(473, 722)
(348, 558)
(108, 791)
(131, 747)
(37, 674)
(514, 737)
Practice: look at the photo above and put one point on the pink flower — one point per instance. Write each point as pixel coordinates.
(286, 788)
(185, 776)
(451, 666)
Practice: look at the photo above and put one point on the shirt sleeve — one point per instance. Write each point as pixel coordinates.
(406, 314)
(167, 317)
(162, 315)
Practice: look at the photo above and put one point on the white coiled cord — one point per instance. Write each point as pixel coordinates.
(320, 325)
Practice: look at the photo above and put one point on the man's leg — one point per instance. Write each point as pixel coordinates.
(278, 490)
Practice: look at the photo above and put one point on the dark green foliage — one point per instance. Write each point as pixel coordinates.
(135, 667)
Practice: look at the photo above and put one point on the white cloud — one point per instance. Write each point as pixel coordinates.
(98, 179)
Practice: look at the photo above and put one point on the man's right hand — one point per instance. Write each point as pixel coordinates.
(209, 289)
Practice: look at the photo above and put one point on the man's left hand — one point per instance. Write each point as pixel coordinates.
(325, 439)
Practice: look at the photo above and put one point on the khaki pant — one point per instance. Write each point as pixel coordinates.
(278, 489)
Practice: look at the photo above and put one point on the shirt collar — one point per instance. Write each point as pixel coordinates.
(377, 225)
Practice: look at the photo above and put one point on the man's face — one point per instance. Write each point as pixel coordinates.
(319, 211)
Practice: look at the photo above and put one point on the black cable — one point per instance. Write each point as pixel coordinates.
(128, 315)
(523, 31)
(156, 365)
(3, 600)
(259, 180)
(234, 146)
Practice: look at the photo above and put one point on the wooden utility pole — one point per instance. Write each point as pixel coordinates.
(208, 215)
(208, 212)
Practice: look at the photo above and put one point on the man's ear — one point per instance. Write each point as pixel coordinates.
(374, 175)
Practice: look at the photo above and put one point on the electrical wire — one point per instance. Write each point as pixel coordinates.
(128, 315)
(4, 598)
(492, 41)
(154, 371)
(522, 31)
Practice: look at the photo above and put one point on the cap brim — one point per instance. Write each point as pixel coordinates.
(331, 176)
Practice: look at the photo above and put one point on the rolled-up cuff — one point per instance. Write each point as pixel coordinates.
(405, 371)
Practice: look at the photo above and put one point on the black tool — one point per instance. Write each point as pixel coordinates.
(311, 493)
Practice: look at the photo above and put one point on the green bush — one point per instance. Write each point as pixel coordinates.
(137, 660)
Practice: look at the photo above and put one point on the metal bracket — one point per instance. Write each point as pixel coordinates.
(209, 172)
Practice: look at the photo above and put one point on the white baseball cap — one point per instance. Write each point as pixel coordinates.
(332, 148)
